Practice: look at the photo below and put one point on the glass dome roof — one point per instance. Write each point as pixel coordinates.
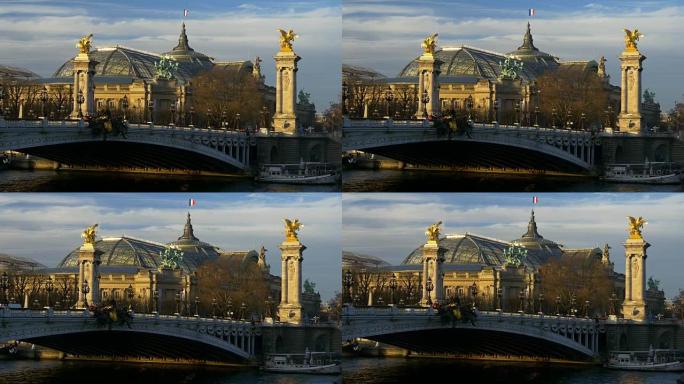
(194, 250)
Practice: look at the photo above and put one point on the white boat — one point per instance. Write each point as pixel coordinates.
(320, 363)
(301, 173)
(646, 173)
(661, 360)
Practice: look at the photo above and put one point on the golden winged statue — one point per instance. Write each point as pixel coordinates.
(635, 226)
(85, 43)
(291, 228)
(89, 235)
(286, 39)
(631, 37)
(430, 43)
(432, 232)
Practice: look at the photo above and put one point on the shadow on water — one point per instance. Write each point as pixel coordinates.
(49, 372)
(399, 370)
(78, 181)
(443, 181)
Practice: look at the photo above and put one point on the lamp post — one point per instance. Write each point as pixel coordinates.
(237, 121)
(429, 287)
(613, 299)
(541, 303)
(473, 293)
(130, 294)
(229, 308)
(80, 100)
(4, 284)
(269, 302)
(609, 116)
(223, 119)
(583, 116)
(151, 109)
(517, 112)
(197, 301)
(499, 295)
(155, 298)
(243, 310)
(573, 301)
(214, 304)
(496, 111)
(586, 308)
(558, 301)
(208, 117)
(521, 308)
(553, 117)
(178, 301)
(173, 109)
(49, 287)
(393, 287)
(569, 120)
(536, 116)
(43, 99)
(469, 106)
(85, 289)
(348, 282)
(425, 98)
(389, 97)
(192, 115)
(124, 105)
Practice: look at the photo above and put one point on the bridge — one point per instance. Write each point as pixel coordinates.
(142, 146)
(77, 332)
(481, 145)
(424, 330)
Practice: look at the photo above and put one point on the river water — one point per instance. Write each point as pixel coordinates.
(80, 181)
(444, 181)
(400, 370)
(53, 371)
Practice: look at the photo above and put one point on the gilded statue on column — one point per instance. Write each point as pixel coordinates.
(432, 232)
(85, 44)
(635, 226)
(291, 228)
(631, 37)
(430, 44)
(89, 235)
(286, 39)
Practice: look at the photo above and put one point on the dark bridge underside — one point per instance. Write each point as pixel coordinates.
(474, 154)
(130, 155)
(134, 344)
(479, 342)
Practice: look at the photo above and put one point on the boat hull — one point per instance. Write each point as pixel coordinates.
(330, 369)
(664, 179)
(665, 367)
(311, 180)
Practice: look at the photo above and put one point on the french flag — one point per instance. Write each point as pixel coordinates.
(186, 13)
(532, 12)
(535, 200)
(192, 202)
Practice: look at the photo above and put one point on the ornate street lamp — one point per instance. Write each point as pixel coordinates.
(521, 309)
(348, 282)
(172, 107)
(4, 284)
(357, 300)
(124, 105)
(583, 116)
(496, 111)
(229, 308)
(569, 119)
(558, 301)
(473, 293)
(192, 115)
(208, 117)
(573, 301)
(393, 287)
(609, 116)
(425, 98)
(80, 100)
(178, 301)
(243, 310)
(541, 303)
(269, 303)
(499, 294)
(49, 287)
(381, 301)
(410, 297)
(36, 304)
(130, 294)
(613, 299)
(214, 304)
(586, 308)
(43, 99)
(237, 121)
(469, 105)
(151, 109)
(389, 97)
(536, 115)
(517, 112)
(155, 296)
(553, 117)
(197, 301)
(85, 289)
(429, 287)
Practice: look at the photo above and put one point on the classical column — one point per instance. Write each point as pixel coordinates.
(84, 80)
(432, 267)
(631, 60)
(89, 266)
(285, 117)
(290, 308)
(634, 305)
(428, 79)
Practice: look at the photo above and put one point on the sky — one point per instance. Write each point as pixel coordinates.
(42, 35)
(391, 226)
(386, 35)
(46, 227)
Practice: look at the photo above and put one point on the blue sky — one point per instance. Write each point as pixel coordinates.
(386, 35)
(391, 226)
(46, 227)
(41, 35)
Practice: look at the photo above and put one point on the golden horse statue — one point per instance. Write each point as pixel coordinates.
(430, 44)
(286, 39)
(89, 235)
(291, 228)
(635, 226)
(631, 37)
(432, 232)
(85, 44)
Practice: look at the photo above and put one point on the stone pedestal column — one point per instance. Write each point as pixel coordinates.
(634, 306)
(290, 308)
(432, 268)
(285, 117)
(84, 81)
(89, 269)
(428, 80)
(630, 93)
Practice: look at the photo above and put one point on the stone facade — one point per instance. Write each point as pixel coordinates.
(630, 119)
(285, 117)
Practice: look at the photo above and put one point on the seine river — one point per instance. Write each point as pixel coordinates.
(53, 371)
(75, 181)
(443, 181)
(399, 370)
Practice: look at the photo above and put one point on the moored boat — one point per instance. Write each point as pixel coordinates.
(646, 173)
(320, 363)
(660, 360)
(301, 173)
